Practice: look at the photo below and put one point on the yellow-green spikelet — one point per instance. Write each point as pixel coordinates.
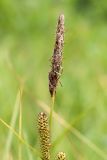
(61, 156)
(43, 128)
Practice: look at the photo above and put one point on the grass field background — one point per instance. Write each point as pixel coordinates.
(27, 37)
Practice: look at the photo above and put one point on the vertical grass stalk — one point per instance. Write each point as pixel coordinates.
(20, 124)
(9, 139)
(51, 112)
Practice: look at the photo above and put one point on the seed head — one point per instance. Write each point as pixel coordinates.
(61, 156)
(44, 134)
(56, 61)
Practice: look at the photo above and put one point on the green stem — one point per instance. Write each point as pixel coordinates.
(51, 112)
(20, 125)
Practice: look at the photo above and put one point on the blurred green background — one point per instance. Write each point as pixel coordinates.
(27, 37)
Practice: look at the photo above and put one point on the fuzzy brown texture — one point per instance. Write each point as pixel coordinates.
(44, 134)
(56, 61)
(61, 156)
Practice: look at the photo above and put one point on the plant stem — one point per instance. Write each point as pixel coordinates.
(20, 125)
(51, 112)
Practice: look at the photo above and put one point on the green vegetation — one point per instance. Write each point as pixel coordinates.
(27, 36)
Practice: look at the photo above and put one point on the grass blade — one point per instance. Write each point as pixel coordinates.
(20, 124)
(12, 124)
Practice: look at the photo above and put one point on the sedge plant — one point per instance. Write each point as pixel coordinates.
(44, 126)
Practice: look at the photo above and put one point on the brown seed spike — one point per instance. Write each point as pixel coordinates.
(44, 134)
(56, 61)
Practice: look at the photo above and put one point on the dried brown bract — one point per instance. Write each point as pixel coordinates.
(44, 134)
(61, 156)
(56, 61)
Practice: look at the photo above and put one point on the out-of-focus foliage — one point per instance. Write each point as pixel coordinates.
(27, 34)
